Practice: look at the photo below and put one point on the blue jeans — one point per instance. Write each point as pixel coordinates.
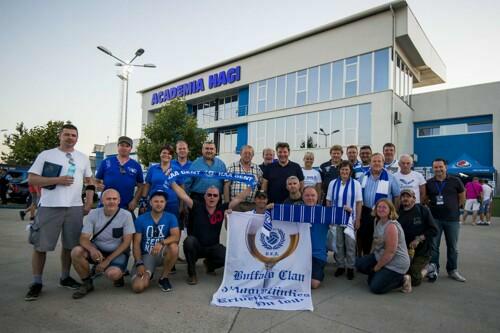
(380, 282)
(451, 230)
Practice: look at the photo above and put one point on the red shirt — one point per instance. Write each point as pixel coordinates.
(473, 190)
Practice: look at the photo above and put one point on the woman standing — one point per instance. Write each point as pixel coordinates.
(156, 179)
(312, 177)
(344, 194)
(389, 261)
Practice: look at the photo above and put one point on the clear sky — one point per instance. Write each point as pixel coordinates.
(50, 68)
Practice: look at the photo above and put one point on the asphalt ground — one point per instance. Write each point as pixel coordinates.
(339, 305)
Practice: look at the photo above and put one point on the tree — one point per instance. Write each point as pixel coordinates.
(171, 124)
(25, 144)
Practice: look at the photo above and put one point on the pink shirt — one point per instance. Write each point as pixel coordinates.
(473, 190)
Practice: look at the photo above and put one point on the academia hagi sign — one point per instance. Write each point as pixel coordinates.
(266, 271)
(215, 80)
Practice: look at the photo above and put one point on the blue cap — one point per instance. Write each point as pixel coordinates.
(159, 192)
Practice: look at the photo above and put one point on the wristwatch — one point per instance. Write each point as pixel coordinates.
(139, 263)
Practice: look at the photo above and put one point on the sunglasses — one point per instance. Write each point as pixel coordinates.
(156, 231)
(122, 170)
(70, 158)
(212, 195)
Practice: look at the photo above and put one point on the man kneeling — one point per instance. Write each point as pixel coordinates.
(155, 244)
(105, 242)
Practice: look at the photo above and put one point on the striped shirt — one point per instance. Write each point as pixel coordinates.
(238, 187)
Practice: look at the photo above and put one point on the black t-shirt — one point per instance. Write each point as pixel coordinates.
(205, 227)
(415, 222)
(291, 201)
(328, 172)
(449, 188)
(276, 175)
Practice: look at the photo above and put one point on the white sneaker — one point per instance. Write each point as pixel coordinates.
(455, 275)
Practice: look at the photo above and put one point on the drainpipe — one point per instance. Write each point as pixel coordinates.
(393, 71)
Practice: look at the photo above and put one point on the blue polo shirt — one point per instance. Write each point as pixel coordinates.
(200, 185)
(186, 166)
(153, 233)
(122, 179)
(157, 180)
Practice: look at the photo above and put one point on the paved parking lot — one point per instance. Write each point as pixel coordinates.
(339, 305)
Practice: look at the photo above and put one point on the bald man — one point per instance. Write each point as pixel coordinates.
(104, 242)
(409, 179)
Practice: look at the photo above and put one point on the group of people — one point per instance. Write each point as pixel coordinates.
(390, 218)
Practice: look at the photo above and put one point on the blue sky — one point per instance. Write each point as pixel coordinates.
(50, 68)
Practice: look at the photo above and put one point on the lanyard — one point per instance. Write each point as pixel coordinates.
(440, 187)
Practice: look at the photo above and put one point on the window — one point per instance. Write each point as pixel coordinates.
(324, 83)
(290, 90)
(351, 76)
(300, 131)
(261, 101)
(365, 126)
(260, 143)
(270, 130)
(428, 131)
(312, 130)
(290, 131)
(271, 92)
(479, 127)
(350, 124)
(365, 73)
(301, 87)
(338, 79)
(381, 70)
(252, 98)
(325, 129)
(280, 92)
(228, 141)
(312, 85)
(280, 131)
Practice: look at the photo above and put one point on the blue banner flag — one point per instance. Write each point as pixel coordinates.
(237, 177)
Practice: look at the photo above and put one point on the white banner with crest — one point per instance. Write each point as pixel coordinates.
(266, 272)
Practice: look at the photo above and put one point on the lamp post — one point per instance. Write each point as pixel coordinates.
(326, 135)
(124, 76)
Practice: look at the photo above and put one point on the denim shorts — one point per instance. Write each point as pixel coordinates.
(318, 269)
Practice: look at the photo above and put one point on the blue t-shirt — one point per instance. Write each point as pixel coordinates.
(319, 234)
(157, 179)
(153, 233)
(181, 167)
(121, 178)
(200, 185)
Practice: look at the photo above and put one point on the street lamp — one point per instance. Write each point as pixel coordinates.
(326, 135)
(124, 76)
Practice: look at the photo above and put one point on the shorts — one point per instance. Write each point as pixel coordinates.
(485, 207)
(318, 269)
(151, 262)
(121, 261)
(50, 221)
(472, 205)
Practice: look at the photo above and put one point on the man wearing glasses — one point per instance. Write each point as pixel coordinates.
(61, 172)
(205, 223)
(155, 244)
(123, 174)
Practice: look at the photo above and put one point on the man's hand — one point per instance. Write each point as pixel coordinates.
(357, 224)
(65, 180)
(140, 271)
(87, 208)
(99, 186)
(347, 209)
(101, 267)
(132, 205)
(157, 248)
(95, 254)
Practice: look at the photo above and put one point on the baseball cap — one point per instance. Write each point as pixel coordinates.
(125, 139)
(261, 194)
(159, 192)
(408, 191)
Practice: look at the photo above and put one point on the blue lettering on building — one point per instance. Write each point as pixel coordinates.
(215, 80)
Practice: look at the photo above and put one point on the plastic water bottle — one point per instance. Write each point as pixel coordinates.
(71, 170)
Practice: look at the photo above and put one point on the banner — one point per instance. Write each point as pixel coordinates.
(238, 177)
(266, 272)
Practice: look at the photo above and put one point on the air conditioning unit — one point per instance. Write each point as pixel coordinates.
(398, 118)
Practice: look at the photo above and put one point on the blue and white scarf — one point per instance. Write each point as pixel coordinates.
(382, 186)
(247, 179)
(341, 216)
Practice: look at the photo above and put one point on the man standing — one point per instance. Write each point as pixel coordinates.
(268, 155)
(182, 151)
(329, 170)
(155, 244)
(60, 207)
(365, 154)
(293, 188)
(352, 157)
(276, 174)
(473, 199)
(246, 167)
(207, 162)
(445, 195)
(408, 178)
(390, 162)
(123, 174)
(105, 242)
(376, 183)
(485, 217)
(419, 228)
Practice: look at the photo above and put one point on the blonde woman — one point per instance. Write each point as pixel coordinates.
(388, 262)
(312, 176)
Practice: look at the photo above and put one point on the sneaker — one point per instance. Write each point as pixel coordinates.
(22, 214)
(173, 270)
(350, 274)
(33, 292)
(119, 283)
(455, 275)
(432, 272)
(69, 283)
(192, 280)
(164, 284)
(339, 272)
(85, 288)
(406, 284)
(208, 270)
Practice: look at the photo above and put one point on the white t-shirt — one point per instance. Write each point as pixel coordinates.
(311, 177)
(358, 195)
(63, 196)
(412, 180)
(487, 190)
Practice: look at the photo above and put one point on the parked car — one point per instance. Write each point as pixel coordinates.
(18, 188)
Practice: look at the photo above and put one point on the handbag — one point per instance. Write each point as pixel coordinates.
(94, 236)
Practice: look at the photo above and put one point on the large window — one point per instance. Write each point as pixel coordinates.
(228, 141)
(219, 109)
(344, 126)
(455, 129)
(404, 80)
(362, 74)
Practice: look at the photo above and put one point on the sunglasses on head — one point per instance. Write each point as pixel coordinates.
(122, 170)
(70, 158)
(212, 195)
